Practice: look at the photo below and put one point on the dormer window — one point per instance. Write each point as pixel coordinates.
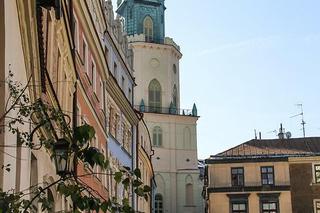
(148, 28)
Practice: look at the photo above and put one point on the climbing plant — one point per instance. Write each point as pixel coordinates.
(49, 125)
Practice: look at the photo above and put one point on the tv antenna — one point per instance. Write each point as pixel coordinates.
(303, 123)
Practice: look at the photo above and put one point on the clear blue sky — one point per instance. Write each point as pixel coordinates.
(246, 63)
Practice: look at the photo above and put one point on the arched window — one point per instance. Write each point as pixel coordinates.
(155, 96)
(157, 136)
(189, 191)
(148, 28)
(158, 205)
(189, 194)
(174, 68)
(175, 96)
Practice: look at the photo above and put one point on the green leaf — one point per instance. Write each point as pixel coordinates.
(137, 172)
(136, 183)
(126, 183)
(147, 188)
(104, 206)
(118, 177)
(90, 155)
(84, 133)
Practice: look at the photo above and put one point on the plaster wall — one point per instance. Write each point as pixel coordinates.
(220, 174)
(155, 61)
(176, 164)
(14, 61)
(2, 77)
(219, 202)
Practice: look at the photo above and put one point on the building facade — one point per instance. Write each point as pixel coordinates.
(277, 175)
(157, 95)
(76, 59)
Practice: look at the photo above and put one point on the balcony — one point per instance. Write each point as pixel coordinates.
(167, 110)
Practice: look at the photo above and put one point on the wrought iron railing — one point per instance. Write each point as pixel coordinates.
(164, 110)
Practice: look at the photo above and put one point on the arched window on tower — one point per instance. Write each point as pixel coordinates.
(157, 136)
(148, 28)
(175, 96)
(154, 96)
(158, 203)
(189, 191)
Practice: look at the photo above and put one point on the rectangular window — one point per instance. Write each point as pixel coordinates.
(237, 176)
(85, 55)
(269, 207)
(130, 95)
(317, 173)
(101, 92)
(93, 77)
(122, 82)
(76, 33)
(317, 206)
(115, 71)
(239, 207)
(106, 55)
(267, 175)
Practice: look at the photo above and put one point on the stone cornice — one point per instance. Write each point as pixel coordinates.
(167, 47)
(249, 188)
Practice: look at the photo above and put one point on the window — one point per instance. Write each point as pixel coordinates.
(269, 207)
(148, 28)
(237, 176)
(317, 173)
(239, 207)
(157, 136)
(85, 54)
(238, 203)
(316, 206)
(269, 202)
(175, 96)
(93, 76)
(115, 71)
(158, 205)
(122, 82)
(267, 175)
(106, 55)
(130, 94)
(174, 69)
(76, 32)
(155, 96)
(189, 194)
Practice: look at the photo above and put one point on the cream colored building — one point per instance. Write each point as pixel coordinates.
(157, 94)
(269, 176)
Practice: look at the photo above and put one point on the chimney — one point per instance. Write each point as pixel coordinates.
(281, 132)
(260, 136)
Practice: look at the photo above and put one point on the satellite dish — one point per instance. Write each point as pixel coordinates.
(288, 135)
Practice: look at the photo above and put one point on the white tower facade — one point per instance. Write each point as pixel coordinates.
(173, 131)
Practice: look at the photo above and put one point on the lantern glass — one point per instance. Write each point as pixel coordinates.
(61, 149)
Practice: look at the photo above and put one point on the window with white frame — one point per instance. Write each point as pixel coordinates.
(158, 203)
(85, 54)
(316, 204)
(157, 136)
(76, 32)
(317, 173)
(93, 76)
(101, 92)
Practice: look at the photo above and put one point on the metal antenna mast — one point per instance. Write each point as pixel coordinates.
(303, 123)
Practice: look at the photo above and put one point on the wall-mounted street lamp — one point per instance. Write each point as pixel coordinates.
(63, 157)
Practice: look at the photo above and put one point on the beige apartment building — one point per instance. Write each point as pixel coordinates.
(267, 176)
